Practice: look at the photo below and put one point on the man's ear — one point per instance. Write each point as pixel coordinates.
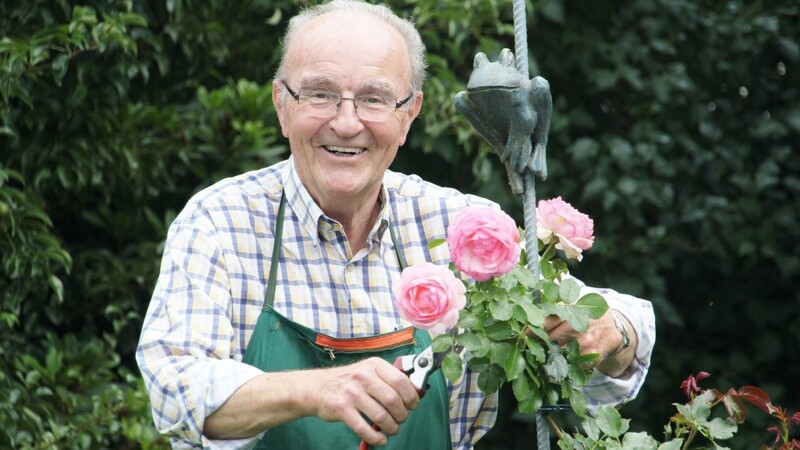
(414, 107)
(279, 107)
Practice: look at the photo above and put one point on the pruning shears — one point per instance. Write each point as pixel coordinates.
(419, 368)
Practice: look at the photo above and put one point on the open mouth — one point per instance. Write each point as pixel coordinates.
(344, 150)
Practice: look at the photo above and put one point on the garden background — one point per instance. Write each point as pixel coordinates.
(676, 126)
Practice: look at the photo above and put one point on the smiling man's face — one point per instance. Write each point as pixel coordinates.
(343, 158)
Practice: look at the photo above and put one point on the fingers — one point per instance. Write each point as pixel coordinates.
(366, 393)
(600, 337)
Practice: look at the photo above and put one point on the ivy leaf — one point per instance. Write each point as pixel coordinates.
(452, 367)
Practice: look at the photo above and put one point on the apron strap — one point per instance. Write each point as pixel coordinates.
(269, 296)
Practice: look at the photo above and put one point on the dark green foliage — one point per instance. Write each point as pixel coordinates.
(675, 128)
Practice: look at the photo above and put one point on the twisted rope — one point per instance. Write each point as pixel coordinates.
(529, 194)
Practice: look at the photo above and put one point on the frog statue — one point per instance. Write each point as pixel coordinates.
(511, 112)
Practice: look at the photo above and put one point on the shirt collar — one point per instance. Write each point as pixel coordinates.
(311, 217)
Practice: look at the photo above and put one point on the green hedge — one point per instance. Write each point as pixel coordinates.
(675, 127)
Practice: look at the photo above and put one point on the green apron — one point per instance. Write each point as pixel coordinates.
(280, 344)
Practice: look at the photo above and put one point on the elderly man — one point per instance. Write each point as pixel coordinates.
(308, 364)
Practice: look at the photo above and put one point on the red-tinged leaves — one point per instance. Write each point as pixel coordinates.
(757, 397)
(733, 403)
(795, 418)
(689, 385)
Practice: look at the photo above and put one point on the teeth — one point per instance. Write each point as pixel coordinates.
(348, 150)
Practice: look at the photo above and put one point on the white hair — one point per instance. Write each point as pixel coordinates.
(416, 49)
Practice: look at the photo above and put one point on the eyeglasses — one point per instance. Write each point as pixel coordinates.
(325, 104)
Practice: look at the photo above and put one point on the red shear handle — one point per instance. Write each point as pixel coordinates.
(363, 445)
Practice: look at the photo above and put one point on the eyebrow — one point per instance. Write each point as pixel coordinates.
(321, 82)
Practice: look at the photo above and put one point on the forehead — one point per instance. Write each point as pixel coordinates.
(349, 49)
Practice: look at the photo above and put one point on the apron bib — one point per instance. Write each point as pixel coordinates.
(279, 344)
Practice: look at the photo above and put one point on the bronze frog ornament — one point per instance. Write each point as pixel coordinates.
(511, 112)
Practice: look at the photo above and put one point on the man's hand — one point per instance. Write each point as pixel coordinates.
(372, 387)
(602, 337)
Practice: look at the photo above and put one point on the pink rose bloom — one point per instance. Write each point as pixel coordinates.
(484, 243)
(558, 219)
(430, 297)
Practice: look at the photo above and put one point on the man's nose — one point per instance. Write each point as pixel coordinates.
(346, 121)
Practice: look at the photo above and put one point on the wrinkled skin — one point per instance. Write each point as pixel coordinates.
(511, 112)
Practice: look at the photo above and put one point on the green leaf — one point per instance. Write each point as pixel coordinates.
(60, 65)
(549, 291)
(532, 402)
(595, 305)
(535, 349)
(639, 441)
(521, 388)
(674, 444)
(442, 342)
(556, 366)
(470, 341)
(524, 277)
(452, 367)
(514, 364)
(610, 422)
(501, 310)
(719, 428)
(533, 314)
(489, 380)
(436, 242)
(499, 351)
(499, 331)
(468, 320)
(590, 306)
(569, 290)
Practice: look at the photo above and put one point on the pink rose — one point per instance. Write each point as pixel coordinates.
(484, 243)
(430, 297)
(558, 219)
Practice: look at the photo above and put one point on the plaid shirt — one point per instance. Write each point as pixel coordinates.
(213, 275)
